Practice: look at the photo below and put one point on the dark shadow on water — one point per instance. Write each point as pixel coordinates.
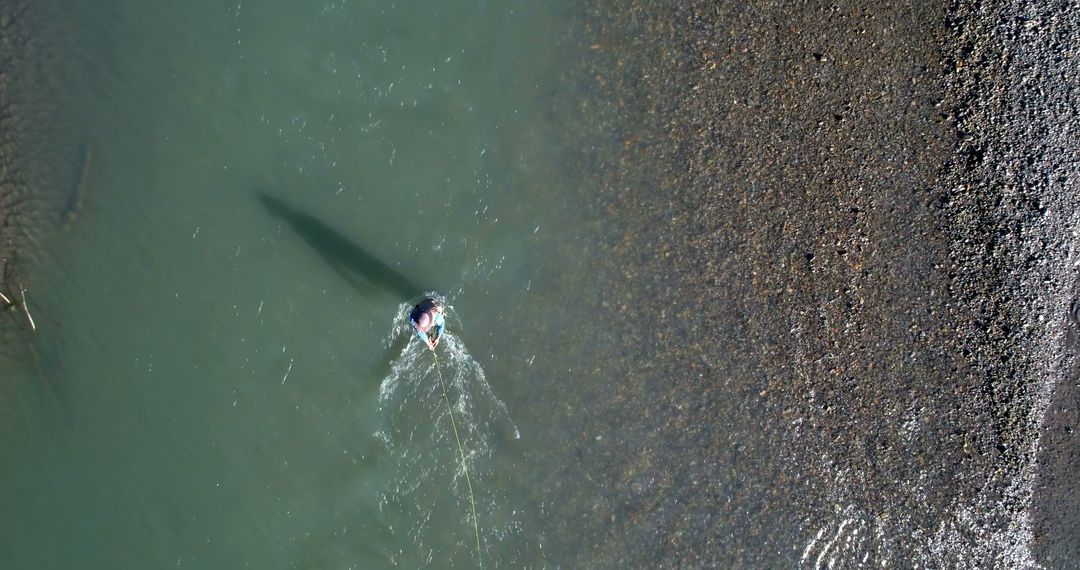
(361, 269)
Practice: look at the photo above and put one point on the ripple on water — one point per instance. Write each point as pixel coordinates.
(854, 540)
(415, 428)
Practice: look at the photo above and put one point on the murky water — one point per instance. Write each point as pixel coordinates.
(221, 379)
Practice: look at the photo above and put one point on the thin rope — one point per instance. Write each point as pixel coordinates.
(461, 451)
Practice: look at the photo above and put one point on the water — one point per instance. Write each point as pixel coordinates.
(269, 183)
(440, 424)
(232, 206)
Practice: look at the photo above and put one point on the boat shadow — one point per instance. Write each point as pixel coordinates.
(365, 272)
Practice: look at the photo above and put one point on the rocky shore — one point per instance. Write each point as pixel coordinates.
(845, 238)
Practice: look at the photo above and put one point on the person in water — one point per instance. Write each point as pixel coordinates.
(426, 316)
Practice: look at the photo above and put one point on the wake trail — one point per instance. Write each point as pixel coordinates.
(440, 422)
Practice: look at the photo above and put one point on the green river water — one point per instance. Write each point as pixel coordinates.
(220, 376)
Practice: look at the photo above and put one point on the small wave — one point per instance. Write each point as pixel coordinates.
(416, 430)
(853, 541)
(977, 535)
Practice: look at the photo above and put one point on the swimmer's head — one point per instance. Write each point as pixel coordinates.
(423, 322)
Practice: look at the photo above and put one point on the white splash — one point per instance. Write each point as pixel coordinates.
(855, 540)
(415, 428)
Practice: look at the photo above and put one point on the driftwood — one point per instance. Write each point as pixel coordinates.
(6, 299)
(26, 309)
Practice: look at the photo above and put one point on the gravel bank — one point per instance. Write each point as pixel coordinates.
(844, 236)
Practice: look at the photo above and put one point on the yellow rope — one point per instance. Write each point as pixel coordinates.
(461, 451)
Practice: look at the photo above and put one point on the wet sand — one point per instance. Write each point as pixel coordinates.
(840, 240)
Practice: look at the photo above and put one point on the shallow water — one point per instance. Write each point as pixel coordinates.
(243, 201)
(214, 385)
(441, 424)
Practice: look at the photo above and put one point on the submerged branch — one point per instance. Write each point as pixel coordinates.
(26, 309)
